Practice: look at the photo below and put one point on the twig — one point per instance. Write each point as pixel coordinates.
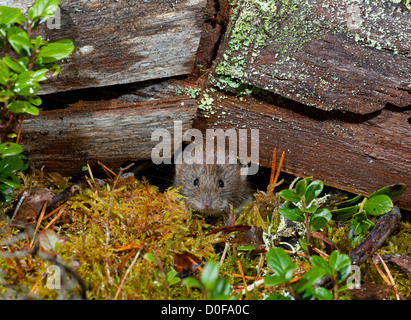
(242, 273)
(40, 219)
(394, 288)
(127, 272)
(55, 218)
(277, 174)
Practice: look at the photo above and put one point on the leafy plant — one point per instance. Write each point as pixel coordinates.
(214, 288)
(27, 61)
(376, 204)
(337, 268)
(302, 205)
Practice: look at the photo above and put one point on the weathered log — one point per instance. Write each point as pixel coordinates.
(122, 41)
(360, 154)
(111, 132)
(382, 229)
(330, 54)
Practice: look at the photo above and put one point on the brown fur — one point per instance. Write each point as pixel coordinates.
(219, 185)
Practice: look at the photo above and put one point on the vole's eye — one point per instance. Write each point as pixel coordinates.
(196, 181)
(220, 183)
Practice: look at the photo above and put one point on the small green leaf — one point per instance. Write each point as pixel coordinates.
(192, 282)
(301, 186)
(308, 280)
(10, 165)
(10, 149)
(221, 290)
(323, 294)
(6, 95)
(319, 262)
(17, 106)
(43, 9)
(246, 248)
(150, 257)
(340, 264)
(393, 191)
(378, 205)
(209, 275)
(19, 40)
(314, 189)
(291, 212)
(280, 262)
(345, 213)
(56, 51)
(289, 195)
(319, 219)
(14, 65)
(10, 15)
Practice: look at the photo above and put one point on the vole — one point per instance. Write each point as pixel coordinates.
(211, 188)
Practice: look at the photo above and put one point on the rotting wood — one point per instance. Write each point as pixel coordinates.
(330, 54)
(109, 132)
(381, 231)
(349, 152)
(122, 41)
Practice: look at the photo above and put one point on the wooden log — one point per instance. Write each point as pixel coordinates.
(330, 54)
(109, 132)
(355, 153)
(383, 228)
(122, 41)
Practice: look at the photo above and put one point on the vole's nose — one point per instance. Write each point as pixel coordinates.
(207, 202)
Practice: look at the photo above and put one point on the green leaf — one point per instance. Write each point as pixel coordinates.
(274, 280)
(280, 262)
(26, 85)
(35, 100)
(393, 191)
(291, 212)
(301, 187)
(19, 40)
(319, 219)
(12, 181)
(220, 291)
(289, 195)
(56, 51)
(192, 282)
(308, 280)
(6, 193)
(17, 106)
(314, 189)
(209, 275)
(4, 73)
(246, 248)
(319, 262)
(39, 75)
(340, 264)
(171, 277)
(378, 205)
(14, 65)
(43, 9)
(323, 294)
(345, 213)
(10, 149)
(6, 95)
(10, 15)
(10, 165)
(150, 257)
(349, 201)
